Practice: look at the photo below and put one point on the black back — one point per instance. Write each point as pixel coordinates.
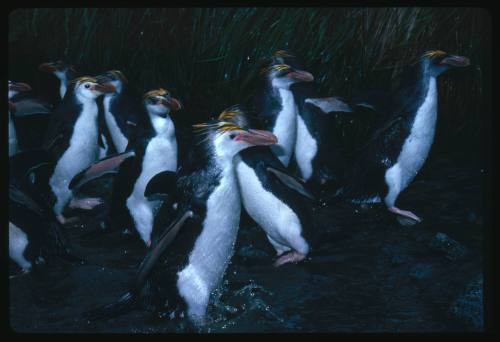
(62, 124)
(197, 178)
(127, 109)
(381, 152)
(259, 158)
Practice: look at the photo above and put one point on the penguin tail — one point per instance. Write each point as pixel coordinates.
(123, 305)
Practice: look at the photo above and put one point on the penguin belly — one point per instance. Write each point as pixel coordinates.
(119, 139)
(278, 220)
(18, 241)
(415, 148)
(160, 155)
(306, 149)
(82, 151)
(212, 250)
(13, 145)
(285, 127)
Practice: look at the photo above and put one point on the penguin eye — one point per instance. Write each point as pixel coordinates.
(87, 86)
(232, 136)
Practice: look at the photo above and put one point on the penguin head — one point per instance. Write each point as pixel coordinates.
(438, 61)
(58, 68)
(88, 89)
(228, 138)
(113, 77)
(282, 75)
(17, 87)
(160, 102)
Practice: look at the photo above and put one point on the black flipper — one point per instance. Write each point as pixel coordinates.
(21, 198)
(330, 104)
(291, 182)
(157, 250)
(162, 183)
(100, 168)
(130, 298)
(31, 106)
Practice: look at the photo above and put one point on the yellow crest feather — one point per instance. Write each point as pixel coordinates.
(433, 54)
(282, 53)
(83, 79)
(155, 92)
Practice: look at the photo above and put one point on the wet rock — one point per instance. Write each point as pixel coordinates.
(251, 252)
(421, 271)
(468, 307)
(451, 248)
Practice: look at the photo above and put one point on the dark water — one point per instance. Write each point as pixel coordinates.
(370, 274)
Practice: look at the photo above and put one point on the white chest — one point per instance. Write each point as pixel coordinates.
(285, 127)
(12, 137)
(83, 147)
(213, 247)
(119, 139)
(306, 148)
(274, 216)
(417, 145)
(160, 155)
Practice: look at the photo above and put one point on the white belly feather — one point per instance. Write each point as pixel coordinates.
(305, 149)
(13, 146)
(415, 148)
(160, 155)
(82, 151)
(213, 247)
(285, 127)
(119, 139)
(18, 240)
(278, 220)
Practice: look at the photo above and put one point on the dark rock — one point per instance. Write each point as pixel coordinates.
(421, 271)
(451, 248)
(251, 252)
(468, 307)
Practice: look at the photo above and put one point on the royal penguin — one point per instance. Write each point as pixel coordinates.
(122, 109)
(401, 143)
(63, 71)
(34, 232)
(274, 199)
(202, 236)
(72, 139)
(152, 150)
(14, 89)
(66, 73)
(318, 151)
(276, 106)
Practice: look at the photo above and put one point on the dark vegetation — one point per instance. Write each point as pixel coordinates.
(209, 57)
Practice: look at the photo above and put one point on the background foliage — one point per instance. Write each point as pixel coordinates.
(209, 57)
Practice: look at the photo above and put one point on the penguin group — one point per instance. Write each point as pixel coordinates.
(278, 161)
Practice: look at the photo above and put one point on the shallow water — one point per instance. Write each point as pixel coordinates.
(370, 274)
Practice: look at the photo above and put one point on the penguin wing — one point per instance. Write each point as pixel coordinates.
(157, 250)
(21, 198)
(32, 106)
(330, 104)
(162, 183)
(291, 182)
(128, 299)
(100, 168)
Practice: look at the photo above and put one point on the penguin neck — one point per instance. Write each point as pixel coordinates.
(119, 89)
(162, 126)
(426, 112)
(63, 82)
(12, 93)
(89, 106)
